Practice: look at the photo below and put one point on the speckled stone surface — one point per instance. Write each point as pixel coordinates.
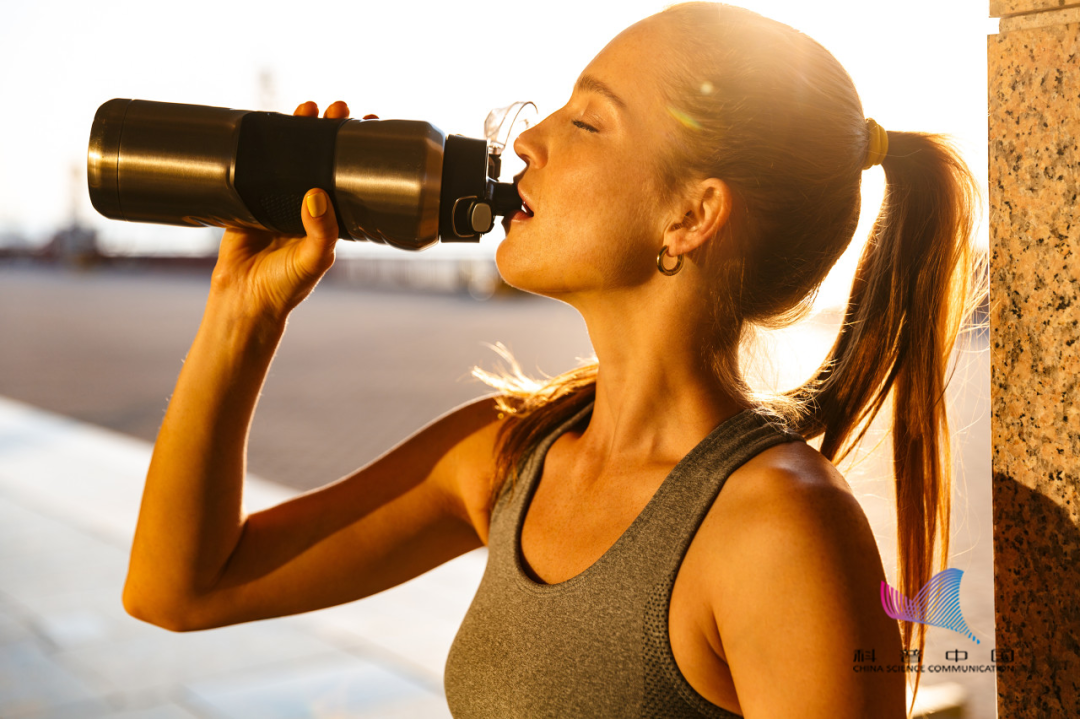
(1001, 8)
(1028, 21)
(1034, 129)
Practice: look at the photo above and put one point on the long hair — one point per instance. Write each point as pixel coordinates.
(773, 114)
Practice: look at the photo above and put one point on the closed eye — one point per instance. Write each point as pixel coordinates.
(584, 126)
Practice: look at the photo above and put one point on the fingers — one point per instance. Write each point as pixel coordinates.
(307, 109)
(321, 227)
(337, 110)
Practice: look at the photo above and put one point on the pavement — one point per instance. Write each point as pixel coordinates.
(86, 366)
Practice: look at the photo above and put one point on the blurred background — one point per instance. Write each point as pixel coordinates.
(96, 317)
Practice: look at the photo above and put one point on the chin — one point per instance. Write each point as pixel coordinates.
(509, 263)
(521, 270)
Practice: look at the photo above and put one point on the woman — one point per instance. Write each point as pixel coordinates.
(702, 180)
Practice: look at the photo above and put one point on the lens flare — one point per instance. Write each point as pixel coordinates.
(683, 118)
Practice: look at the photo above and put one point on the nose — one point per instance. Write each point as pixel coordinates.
(529, 146)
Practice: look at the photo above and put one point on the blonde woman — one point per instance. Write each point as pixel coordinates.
(702, 180)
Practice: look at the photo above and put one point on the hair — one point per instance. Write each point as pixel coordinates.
(773, 114)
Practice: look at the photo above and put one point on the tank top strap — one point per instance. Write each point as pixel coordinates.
(534, 461)
(688, 493)
(701, 476)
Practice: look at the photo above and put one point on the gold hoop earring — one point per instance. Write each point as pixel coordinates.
(660, 262)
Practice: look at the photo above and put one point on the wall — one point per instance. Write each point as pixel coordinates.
(1034, 130)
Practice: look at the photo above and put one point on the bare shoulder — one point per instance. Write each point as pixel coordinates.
(784, 467)
(795, 590)
(787, 501)
(786, 482)
(791, 491)
(467, 472)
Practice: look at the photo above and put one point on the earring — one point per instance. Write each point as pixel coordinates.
(660, 262)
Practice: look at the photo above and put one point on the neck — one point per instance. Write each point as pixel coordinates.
(656, 394)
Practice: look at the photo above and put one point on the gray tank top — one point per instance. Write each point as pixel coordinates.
(597, 644)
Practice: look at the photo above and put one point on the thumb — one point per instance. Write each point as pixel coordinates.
(320, 225)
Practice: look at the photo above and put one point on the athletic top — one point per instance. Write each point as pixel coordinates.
(597, 644)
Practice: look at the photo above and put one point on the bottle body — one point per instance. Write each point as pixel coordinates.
(176, 167)
(400, 182)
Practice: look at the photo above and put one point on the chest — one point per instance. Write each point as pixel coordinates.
(568, 528)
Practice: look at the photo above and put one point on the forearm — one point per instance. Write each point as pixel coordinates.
(191, 515)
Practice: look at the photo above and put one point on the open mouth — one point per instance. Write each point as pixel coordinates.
(525, 204)
(521, 215)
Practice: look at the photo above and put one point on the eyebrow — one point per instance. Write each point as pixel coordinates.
(588, 83)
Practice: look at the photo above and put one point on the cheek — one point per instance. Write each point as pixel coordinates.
(614, 209)
(631, 234)
(594, 231)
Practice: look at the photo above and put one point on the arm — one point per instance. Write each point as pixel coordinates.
(197, 560)
(802, 594)
(191, 518)
(416, 507)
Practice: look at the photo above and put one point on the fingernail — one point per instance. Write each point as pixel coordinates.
(316, 204)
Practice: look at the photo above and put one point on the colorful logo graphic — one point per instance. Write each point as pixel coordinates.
(937, 604)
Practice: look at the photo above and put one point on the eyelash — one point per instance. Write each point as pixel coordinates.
(583, 126)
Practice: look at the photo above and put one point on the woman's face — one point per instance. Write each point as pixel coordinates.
(590, 178)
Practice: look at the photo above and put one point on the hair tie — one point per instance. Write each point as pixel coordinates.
(878, 145)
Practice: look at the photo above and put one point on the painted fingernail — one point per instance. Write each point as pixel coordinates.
(316, 204)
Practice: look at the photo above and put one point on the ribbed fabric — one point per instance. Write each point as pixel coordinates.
(597, 644)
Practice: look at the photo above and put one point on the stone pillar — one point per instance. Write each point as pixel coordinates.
(1034, 130)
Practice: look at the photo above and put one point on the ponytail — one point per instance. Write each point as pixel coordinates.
(916, 282)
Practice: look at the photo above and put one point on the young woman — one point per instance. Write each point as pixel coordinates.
(702, 180)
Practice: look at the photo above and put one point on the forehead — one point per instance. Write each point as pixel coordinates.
(630, 66)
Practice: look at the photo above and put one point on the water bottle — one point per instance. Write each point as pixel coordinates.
(404, 183)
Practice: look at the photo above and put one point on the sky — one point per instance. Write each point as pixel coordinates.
(918, 65)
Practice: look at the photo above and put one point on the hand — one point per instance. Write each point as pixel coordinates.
(273, 273)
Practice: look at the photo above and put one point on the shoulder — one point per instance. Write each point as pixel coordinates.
(787, 488)
(791, 508)
(464, 442)
(795, 589)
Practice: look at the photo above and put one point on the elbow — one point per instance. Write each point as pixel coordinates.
(173, 621)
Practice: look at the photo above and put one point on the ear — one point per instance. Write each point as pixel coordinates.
(702, 212)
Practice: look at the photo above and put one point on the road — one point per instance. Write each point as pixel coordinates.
(356, 372)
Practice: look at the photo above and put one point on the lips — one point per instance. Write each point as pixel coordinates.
(519, 216)
(525, 213)
(526, 203)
